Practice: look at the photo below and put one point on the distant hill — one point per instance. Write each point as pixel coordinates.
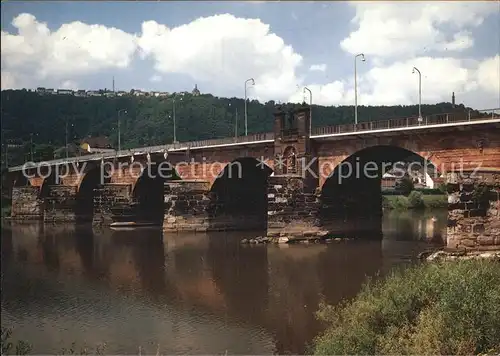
(29, 116)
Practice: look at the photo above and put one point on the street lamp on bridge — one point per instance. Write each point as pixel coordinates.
(356, 86)
(119, 128)
(246, 117)
(310, 108)
(415, 69)
(175, 124)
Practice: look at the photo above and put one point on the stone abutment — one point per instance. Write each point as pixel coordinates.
(474, 212)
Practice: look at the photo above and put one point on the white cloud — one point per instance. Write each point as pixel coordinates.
(318, 67)
(332, 93)
(73, 49)
(395, 84)
(207, 51)
(155, 78)
(488, 76)
(396, 37)
(69, 84)
(395, 30)
(9, 81)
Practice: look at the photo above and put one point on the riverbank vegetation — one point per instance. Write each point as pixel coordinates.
(406, 196)
(21, 347)
(446, 308)
(415, 200)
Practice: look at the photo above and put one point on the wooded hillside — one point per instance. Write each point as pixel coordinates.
(149, 120)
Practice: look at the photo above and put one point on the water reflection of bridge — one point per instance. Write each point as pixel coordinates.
(276, 288)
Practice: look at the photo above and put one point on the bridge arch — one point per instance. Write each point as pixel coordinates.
(85, 192)
(45, 185)
(239, 194)
(20, 180)
(148, 191)
(353, 188)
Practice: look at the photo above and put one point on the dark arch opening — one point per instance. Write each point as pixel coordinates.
(47, 182)
(148, 194)
(351, 197)
(86, 192)
(239, 195)
(20, 180)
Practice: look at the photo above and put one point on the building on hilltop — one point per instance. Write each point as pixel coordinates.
(195, 91)
(100, 144)
(65, 92)
(72, 150)
(41, 90)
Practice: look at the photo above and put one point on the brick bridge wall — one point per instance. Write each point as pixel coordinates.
(463, 150)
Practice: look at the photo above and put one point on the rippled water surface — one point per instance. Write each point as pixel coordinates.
(187, 293)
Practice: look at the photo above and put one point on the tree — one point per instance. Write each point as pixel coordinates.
(405, 186)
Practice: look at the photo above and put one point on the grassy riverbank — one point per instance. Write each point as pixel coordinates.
(415, 200)
(433, 308)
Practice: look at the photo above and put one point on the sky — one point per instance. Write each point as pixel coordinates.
(283, 46)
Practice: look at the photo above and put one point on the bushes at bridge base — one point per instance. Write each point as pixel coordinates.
(415, 200)
(447, 308)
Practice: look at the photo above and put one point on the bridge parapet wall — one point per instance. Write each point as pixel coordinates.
(474, 212)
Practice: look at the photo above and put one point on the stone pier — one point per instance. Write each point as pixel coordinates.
(60, 204)
(108, 196)
(291, 210)
(27, 204)
(186, 206)
(474, 212)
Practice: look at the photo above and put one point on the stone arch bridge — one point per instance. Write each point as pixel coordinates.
(291, 179)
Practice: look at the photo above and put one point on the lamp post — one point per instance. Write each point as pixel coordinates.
(31, 147)
(415, 69)
(235, 120)
(66, 138)
(246, 117)
(356, 86)
(175, 123)
(119, 128)
(310, 108)
(173, 113)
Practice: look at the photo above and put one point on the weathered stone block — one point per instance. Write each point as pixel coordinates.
(478, 228)
(468, 242)
(486, 240)
(477, 213)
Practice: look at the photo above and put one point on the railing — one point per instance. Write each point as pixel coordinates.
(267, 136)
(437, 119)
(203, 143)
(413, 121)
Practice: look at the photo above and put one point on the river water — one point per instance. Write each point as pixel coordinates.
(187, 293)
